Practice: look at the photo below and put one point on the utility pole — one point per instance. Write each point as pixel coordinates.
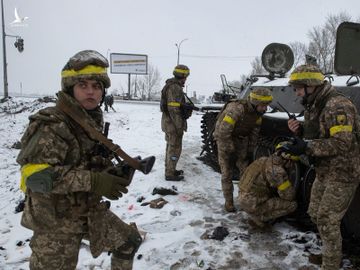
(19, 44)
(178, 49)
(6, 92)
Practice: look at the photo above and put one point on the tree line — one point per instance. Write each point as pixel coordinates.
(321, 45)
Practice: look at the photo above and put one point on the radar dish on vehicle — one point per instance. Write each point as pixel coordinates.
(347, 40)
(277, 58)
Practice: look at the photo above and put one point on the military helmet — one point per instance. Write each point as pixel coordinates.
(260, 96)
(181, 71)
(87, 64)
(308, 75)
(279, 150)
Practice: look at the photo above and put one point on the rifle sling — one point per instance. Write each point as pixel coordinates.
(98, 136)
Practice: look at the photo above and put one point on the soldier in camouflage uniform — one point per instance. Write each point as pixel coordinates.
(236, 132)
(173, 120)
(65, 176)
(108, 102)
(265, 190)
(331, 132)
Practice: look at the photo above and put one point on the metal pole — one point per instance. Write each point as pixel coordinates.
(178, 49)
(129, 96)
(6, 93)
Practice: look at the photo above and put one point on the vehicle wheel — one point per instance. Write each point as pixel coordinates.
(294, 174)
(305, 187)
(209, 156)
(261, 151)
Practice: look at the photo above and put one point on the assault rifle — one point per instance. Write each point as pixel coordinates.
(144, 165)
(190, 104)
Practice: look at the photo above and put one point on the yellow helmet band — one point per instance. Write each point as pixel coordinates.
(261, 98)
(307, 75)
(88, 70)
(182, 71)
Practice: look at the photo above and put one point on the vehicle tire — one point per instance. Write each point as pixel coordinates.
(305, 187)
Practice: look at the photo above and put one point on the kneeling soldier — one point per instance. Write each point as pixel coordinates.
(265, 191)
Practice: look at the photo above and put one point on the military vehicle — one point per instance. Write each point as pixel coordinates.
(277, 60)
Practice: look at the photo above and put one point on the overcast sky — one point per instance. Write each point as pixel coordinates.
(223, 37)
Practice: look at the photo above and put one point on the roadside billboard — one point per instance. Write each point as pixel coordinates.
(123, 63)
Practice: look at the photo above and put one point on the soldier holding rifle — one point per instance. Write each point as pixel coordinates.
(65, 176)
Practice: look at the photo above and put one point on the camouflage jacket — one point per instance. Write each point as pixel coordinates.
(237, 120)
(334, 146)
(53, 138)
(109, 100)
(172, 120)
(265, 178)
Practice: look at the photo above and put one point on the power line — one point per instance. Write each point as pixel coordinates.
(243, 57)
(207, 56)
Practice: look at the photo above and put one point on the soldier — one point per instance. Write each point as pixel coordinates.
(109, 101)
(175, 112)
(236, 132)
(65, 176)
(265, 190)
(330, 130)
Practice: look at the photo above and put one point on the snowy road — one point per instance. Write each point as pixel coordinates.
(176, 234)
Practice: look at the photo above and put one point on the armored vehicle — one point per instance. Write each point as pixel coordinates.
(277, 60)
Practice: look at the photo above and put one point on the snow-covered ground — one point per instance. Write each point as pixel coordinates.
(177, 234)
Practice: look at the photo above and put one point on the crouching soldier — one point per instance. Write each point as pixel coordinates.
(265, 191)
(236, 133)
(65, 178)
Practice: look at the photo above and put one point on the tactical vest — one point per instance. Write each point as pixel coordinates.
(163, 100)
(312, 127)
(248, 122)
(252, 172)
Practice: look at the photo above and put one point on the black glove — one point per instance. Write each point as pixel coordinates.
(107, 184)
(297, 148)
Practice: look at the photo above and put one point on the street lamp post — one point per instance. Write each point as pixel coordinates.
(6, 92)
(178, 49)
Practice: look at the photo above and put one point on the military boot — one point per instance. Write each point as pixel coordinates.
(229, 206)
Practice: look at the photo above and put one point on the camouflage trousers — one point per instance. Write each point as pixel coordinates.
(227, 162)
(173, 152)
(265, 208)
(106, 233)
(329, 202)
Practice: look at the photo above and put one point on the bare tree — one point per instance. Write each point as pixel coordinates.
(257, 67)
(243, 79)
(323, 40)
(149, 84)
(299, 49)
(136, 88)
